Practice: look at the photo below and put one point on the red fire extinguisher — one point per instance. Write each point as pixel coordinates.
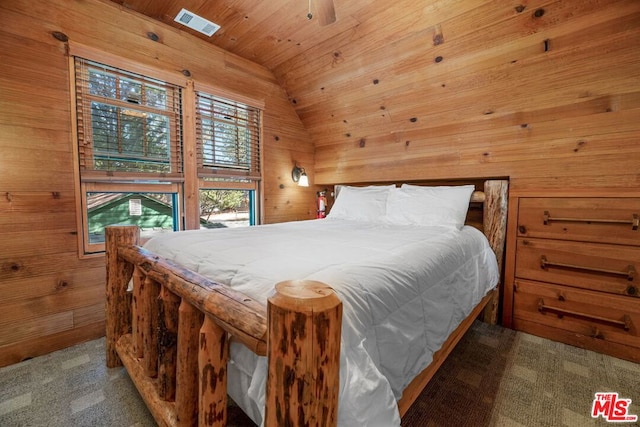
(322, 204)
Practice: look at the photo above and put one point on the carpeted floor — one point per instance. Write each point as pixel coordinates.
(499, 377)
(494, 377)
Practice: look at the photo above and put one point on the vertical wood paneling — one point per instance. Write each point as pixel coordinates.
(489, 100)
(544, 92)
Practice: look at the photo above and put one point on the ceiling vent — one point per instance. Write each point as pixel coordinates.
(196, 22)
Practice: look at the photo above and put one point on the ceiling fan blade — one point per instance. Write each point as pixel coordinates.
(326, 12)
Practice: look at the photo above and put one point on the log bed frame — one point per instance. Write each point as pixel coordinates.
(171, 331)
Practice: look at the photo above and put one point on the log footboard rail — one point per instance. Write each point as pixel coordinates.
(171, 329)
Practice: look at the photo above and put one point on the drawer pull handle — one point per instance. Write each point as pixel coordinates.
(634, 222)
(597, 334)
(629, 273)
(624, 324)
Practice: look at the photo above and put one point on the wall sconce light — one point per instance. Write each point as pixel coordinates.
(299, 175)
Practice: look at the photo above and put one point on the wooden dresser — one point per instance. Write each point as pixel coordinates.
(572, 269)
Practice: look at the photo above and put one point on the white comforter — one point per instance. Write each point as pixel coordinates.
(404, 290)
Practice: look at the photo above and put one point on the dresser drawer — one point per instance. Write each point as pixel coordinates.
(612, 318)
(589, 219)
(595, 266)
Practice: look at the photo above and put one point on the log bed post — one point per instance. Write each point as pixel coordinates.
(150, 303)
(138, 319)
(169, 304)
(212, 365)
(495, 225)
(187, 385)
(119, 272)
(304, 333)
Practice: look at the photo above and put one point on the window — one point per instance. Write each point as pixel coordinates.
(129, 151)
(229, 162)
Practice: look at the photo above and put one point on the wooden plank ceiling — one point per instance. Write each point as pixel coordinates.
(318, 64)
(269, 32)
(392, 86)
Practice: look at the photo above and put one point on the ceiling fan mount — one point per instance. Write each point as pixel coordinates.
(326, 12)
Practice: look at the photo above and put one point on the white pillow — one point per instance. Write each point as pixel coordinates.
(361, 203)
(428, 206)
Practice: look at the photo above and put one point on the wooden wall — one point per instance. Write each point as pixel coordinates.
(49, 298)
(545, 92)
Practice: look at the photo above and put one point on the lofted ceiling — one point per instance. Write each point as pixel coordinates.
(392, 86)
(323, 67)
(268, 32)
(312, 60)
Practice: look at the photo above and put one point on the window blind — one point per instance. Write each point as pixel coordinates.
(227, 138)
(129, 125)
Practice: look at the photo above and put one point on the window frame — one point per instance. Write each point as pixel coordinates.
(90, 181)
(194, 182)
